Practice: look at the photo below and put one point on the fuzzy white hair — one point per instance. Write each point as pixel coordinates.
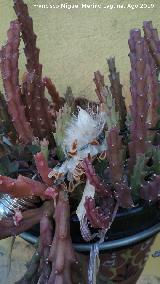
(84, 129)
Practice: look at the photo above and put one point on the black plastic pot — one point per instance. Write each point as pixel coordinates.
(124, 252)
(127, 222)
(142, 222)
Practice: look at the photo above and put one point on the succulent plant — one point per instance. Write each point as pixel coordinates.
(79, 145)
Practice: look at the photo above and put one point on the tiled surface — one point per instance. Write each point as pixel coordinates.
(151, 273)
(148, 279)
(22, 253)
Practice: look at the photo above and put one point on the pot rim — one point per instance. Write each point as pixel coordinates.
(108, 245)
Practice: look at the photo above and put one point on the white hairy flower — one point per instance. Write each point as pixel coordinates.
(84, 129)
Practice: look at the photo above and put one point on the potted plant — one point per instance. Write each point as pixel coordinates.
(96, 164)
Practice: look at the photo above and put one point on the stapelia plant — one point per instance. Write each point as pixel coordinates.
(89, 159)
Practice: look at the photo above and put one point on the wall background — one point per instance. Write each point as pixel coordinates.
(75, 43)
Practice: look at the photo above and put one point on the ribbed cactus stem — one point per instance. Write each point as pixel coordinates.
(56, 99)
(95, 180)
(96, 215)
(139, 173)
(29, 37)
(99, 82)
(46, 236)
(69, 98)
(29, 103)
(153, 95)
(61, 254)
(63, 119)
(152, 38)
(123, 195)
(114, 155)
(37, 105)
(122, 192)
(9, 55)
(107, 101)
(153, 44)
(6, 125)
(43, 169)
(116, 90)
(139, 107)
(21, 187)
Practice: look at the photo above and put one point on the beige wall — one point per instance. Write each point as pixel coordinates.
(75, 43)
